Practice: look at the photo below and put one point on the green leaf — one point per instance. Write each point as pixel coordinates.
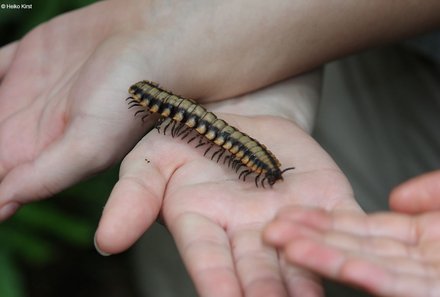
(25, 245)
(11, 283)
(44, 218)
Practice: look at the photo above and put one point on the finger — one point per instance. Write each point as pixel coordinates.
(307, 253)
(349, 243)
(51, 172)
(280, 232)
(395, 226)
(417, 195)
(299, 281)
(206, 252)
(368, 274)
(134, 203)
(61, 164)
(7, 53)
(387, 251)
(381, 282)
(257, 265)
(283, 229)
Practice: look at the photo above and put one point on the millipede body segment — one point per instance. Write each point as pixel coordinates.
(185, 115)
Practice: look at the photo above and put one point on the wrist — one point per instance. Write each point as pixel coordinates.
(295, 99)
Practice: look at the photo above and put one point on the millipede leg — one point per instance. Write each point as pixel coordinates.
(133, 104)
(230, 161)
(159, 124)
(177, 131)
(238, 166)
(186, 132)
(216, 152)
(167, 126)
(139, 112)
(262, 182)
(256, 179)
(221, 155)
(244, 173)
(201, 143)
(193, 138)
(208, 149)
(173, 129)
(244, 176)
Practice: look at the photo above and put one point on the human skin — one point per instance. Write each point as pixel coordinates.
(79, 132)
(381, 253)
(417, 195)
(69, 121)
(215, 219)
(112, 44)
(389, 254)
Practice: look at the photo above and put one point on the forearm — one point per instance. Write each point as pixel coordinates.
(295, 99)
(231, 47)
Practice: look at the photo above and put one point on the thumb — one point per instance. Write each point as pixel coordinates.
(134, 203)
(417, 195)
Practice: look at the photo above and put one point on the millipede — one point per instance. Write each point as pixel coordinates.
(184, 116)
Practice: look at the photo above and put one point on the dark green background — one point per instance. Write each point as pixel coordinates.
(46, 249)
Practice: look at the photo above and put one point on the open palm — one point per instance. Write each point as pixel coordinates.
(387, 254)
(390, 254)
(62, 113)
(216, 219)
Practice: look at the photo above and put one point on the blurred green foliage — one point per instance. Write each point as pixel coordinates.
(14, 23)
(38, 233)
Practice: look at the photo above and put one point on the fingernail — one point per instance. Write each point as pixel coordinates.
(97, 248)
(8, 210)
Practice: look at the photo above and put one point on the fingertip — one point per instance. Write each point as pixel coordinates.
(275, 233)
(418, 194)
(98, 249)
(129, 212)
(110, 240)
(399, 197)
(8, 210)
